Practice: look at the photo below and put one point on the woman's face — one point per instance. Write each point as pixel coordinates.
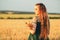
(37, 9)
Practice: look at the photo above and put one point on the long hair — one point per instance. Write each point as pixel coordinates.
(43, 13)
(43, 18)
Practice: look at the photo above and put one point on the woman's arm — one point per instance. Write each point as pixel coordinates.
(32, 25)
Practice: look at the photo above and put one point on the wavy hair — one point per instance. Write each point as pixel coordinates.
(44, 20)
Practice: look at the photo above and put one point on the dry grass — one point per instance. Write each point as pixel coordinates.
(16, 15)
(22, 15)
(55, 29)
(15, 29)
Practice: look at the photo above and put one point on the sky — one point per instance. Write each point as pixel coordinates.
(53, 6)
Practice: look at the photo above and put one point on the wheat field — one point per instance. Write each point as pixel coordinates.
(16, 29)
(23, 15)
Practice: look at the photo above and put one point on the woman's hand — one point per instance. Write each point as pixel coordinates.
(29, 24)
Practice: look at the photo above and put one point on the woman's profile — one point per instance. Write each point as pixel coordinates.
(39, 25)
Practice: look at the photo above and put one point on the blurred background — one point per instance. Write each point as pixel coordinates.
(14, 14)
(53, 6)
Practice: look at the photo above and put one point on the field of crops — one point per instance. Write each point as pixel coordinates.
(16, 29)
(22, 16)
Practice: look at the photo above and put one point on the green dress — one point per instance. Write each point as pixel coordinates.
(35, 36)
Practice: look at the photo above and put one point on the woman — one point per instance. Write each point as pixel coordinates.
(40, 25)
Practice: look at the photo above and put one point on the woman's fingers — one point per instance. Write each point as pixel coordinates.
(25, 22)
